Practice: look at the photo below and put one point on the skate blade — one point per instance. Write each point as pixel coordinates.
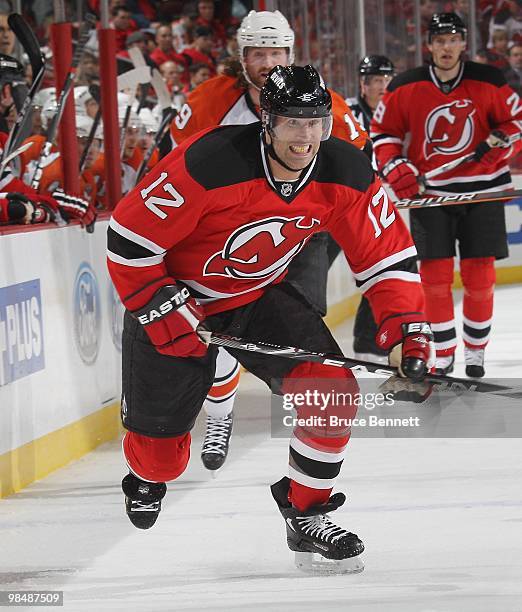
(314, 563)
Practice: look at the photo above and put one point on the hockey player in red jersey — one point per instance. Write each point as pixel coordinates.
(265, 39)
(206, 239)
(432, 115)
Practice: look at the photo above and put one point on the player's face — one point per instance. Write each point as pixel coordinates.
(259, 62)
(446, 49)
(93, 152)
(91, 108)
(373, 88)
(296, 141)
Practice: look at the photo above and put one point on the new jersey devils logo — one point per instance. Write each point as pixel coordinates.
(449, 128)
(260, 249)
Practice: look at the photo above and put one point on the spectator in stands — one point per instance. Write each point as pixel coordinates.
(165, 51)
(7, 38)
(89, 69)
(513, 24)
(142, 11)
(231, 46)
(206, 18)
(172, 73)
(180, 36)
(513, 73)
(497, 55)
(200, 52)
(199, 73)
(150, 39)
(134, 39)
(123, 24)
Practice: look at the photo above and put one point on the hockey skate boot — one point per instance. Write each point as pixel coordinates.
(444, 365)
(320, 546)
(142, 500)
(217, 438)
(474, 359)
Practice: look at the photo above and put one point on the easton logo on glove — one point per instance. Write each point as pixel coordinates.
(416, 328)
(171, 320)
(157, 311)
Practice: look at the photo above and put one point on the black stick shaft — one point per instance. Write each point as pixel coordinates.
(340, 361)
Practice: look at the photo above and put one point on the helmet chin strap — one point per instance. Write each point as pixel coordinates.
(269, 148)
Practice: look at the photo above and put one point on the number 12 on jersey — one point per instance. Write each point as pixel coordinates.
(386, 217)
(152, 202)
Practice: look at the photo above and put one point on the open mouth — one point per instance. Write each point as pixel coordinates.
(301, 149)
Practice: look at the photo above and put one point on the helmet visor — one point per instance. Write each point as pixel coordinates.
(298, 129)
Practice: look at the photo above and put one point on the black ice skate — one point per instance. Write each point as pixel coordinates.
(215, 444)
(142, 500)
(474, 359)
(320, 546)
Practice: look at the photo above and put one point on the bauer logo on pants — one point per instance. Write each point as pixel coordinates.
(21, 331)
(87, 314)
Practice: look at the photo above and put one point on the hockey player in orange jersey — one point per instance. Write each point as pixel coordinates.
(265, 39)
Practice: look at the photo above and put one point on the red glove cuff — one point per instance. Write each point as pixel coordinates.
(390, 330)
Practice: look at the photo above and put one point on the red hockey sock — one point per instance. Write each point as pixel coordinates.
(156, 459)
(437, 279)
(317, 450)
(478, 278)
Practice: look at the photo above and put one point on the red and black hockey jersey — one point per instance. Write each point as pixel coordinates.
(432, 123)
(212, 216)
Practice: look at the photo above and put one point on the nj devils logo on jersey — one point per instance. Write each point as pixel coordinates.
(262, 248)
(449, 128)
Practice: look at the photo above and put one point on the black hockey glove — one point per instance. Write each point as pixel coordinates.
(495, 148)
(22, 209)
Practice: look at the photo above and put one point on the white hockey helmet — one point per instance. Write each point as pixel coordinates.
(148, 120)
(265, 29)
(82, 96)
(83, 126)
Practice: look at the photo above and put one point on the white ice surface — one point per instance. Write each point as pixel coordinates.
(441, 520)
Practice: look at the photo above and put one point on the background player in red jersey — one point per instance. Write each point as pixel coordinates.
(432, 115)
(198, 241)
(265, 39)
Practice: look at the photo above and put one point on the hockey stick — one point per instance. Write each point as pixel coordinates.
(339, 361)
(12, 156)
(128, 82)
(162, 129)
(429, 201)
(60, 105)
(157, 82)
(451, 165)
(31, 46)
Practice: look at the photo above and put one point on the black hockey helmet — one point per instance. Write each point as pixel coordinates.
(295, 91)
(11, 70)
(446, 23)
(376, 65)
